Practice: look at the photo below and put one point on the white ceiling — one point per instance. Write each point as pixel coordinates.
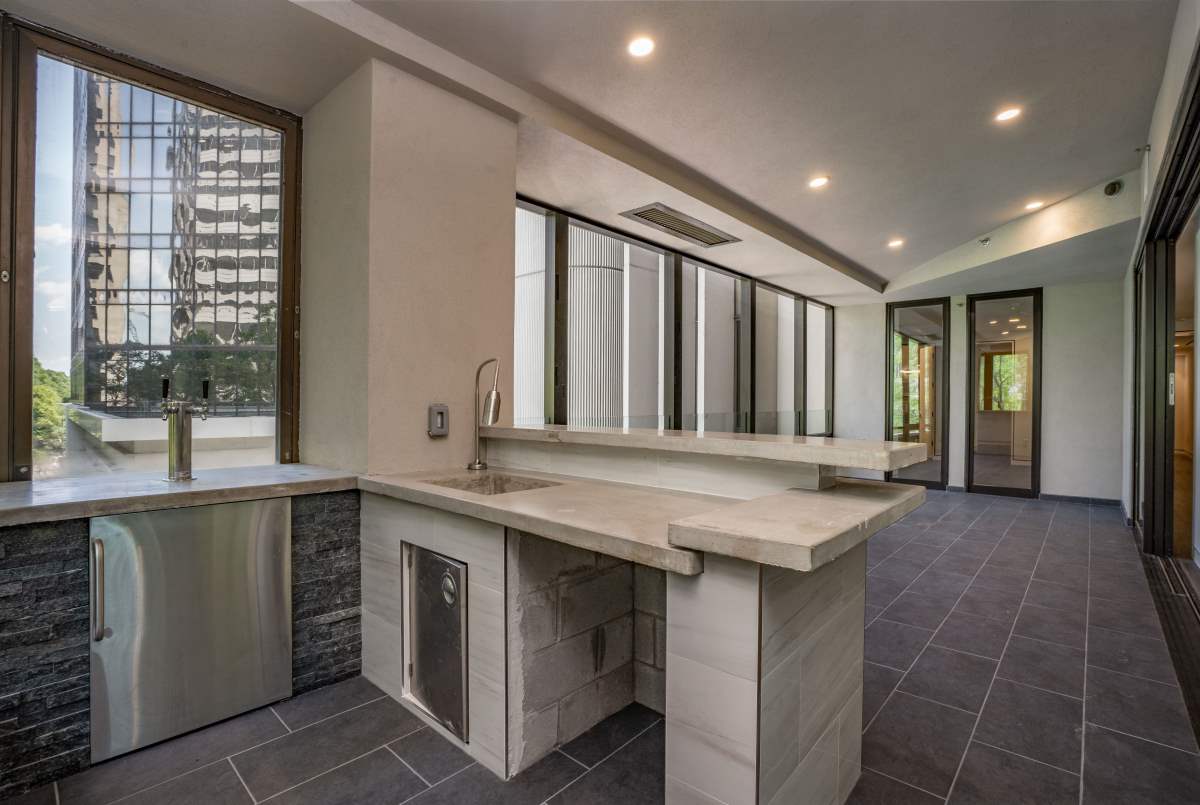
(894, 100)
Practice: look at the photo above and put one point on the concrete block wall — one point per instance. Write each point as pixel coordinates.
(571, 643)
(650, 637)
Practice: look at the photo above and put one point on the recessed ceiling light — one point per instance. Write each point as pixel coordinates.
(1005, 115)
(817, 182)
(1022, 326)
(994, 321)
(895, 243)
(1035, 205)
(1014, 320)
(1004, 332)
(641, 47)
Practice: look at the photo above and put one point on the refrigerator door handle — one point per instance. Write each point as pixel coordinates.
(97, 590)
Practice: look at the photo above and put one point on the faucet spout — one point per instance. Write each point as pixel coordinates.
(491, 410)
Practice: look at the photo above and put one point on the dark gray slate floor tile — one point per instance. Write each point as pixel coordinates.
(990, 776)
(881, 592)
(532, 786)
(974, 634)
(937, 538)
(1131, 654)
(1068, 575)
(378, 778)
(1051, 625)
(216, 784)
(898, 570)
(1034, 723)
(1055, 596)
(895, 645)
(327, 701)
(43, 795)
(984, 536)
(1066, 554)
(133, 772)
(918, 610)
(610, 734)
(1015, 559)
(990, 603)
(1121, 586)
(917, 741)
(921, 554)
(1123, 770)
(941, 585)
(633, 776)
(1139, 707)
(1044, 665)
(430, 755)
(870, 613)
(1123, 616)
(960, 564)
(950, 677)
(300, 755)
(1002, 578)
(878, 684)
(875, 789)
(966, 548)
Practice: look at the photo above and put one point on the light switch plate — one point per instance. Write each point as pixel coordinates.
(439, 420)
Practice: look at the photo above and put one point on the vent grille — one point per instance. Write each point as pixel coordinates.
(673, 222)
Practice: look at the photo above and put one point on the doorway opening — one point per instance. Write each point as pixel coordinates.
(1184, 368)
(917, 407)
(1004, 393)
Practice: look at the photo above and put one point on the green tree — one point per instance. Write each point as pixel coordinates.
(50, 390)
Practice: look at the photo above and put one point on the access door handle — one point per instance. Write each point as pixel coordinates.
(97, 590)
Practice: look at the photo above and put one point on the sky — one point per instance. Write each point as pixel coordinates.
(52, 214)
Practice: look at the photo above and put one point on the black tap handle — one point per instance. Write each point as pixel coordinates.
(204, 389)
(166, 387)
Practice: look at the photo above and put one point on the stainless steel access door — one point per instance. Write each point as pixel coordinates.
(438, 668)
(191, 619)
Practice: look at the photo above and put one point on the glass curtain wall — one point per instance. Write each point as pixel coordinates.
(917, 391)
(778, 362)
(533, 228)
(157, 234)
(818, 369)
(716, 347)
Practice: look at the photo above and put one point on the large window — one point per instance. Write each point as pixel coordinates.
(918, 400)
(162, 247)
(611, 331)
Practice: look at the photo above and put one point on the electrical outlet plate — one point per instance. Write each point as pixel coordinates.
(439, 420)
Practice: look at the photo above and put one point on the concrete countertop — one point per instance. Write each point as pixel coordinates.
(624, 521)
(858, 453)
(23, 502)
(799, 529)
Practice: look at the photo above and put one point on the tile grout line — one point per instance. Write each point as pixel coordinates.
(1142, 738)
(321, 774)
(1012, 629)
(601, 761)
(442, 782)
(1131, 676)
(306, 726)
(902, 782)
(271, 707)
(152, 786)
(249, 793)
(1087, 618)
(1025, 757)
(574, 760)
(975, 575)
(408, 765)
(1036, 687)
(935, 701)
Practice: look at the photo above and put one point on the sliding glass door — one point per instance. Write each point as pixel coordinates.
(917, 399)
(1003, 421)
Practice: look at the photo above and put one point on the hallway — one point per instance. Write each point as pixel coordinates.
(1014, 654)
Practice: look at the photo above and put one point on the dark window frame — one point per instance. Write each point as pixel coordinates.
(944, 368)
(20, 44)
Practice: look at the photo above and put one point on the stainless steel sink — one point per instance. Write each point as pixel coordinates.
(492, 483)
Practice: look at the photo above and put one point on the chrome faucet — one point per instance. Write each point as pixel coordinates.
(178, 416)
(491, 411)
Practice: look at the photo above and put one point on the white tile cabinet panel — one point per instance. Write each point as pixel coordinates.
(386, 525)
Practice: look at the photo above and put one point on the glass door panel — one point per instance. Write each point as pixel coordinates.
(919, 368)
(777, 347)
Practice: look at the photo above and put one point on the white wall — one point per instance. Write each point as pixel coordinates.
(403, 293)
(859, 365)
(1081, 372)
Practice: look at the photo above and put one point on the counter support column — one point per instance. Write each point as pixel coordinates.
(764, 682)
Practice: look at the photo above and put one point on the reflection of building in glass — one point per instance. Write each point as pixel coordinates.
(176, 251)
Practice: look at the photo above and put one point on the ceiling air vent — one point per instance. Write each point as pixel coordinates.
(673, 222)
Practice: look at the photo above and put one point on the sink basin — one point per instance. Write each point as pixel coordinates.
(492, 483)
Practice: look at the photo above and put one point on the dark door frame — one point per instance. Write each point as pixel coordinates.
(1035, 478)
(944, 381)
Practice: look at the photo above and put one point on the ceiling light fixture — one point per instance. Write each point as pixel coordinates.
(1022, 326)
(1014, 320)
(817, 182)
(1035, 205)
(1005, 115)
(1004, 332)
(895, 243)
(641, 47)
(994, 321)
